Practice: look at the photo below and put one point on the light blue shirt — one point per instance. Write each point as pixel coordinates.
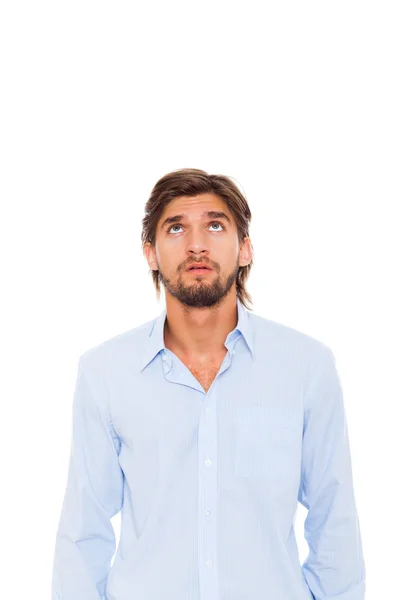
(208, 483)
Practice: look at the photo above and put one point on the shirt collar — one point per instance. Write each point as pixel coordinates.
(154, 343)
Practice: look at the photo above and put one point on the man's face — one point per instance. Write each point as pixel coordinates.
(197, 237)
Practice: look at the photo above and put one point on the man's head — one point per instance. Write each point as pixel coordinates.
(193, 217)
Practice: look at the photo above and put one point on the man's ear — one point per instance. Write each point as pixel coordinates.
(150, 254)
(246, 252)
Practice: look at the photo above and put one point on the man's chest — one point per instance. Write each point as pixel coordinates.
(204, 370)
(249, 419)
(204, 375)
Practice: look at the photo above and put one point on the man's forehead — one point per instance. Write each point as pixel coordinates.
(195, 202)
(196, 207)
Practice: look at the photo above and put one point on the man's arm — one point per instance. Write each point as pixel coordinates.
(334, 567)
(85, 540)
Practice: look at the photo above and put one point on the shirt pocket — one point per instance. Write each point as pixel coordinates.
(264, 440)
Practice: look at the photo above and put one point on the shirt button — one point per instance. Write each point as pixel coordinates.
(207, 462)
(209, 563)
(208, 513)
(207, 411)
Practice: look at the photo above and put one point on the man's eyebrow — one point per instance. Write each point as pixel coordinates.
(210, 214)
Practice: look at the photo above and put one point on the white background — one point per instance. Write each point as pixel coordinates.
(299, 103)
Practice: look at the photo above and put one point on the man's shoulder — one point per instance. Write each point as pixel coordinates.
(126, 345)
(281, 336)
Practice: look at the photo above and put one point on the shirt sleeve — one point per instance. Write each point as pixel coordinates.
(85, 540)
(334, 567)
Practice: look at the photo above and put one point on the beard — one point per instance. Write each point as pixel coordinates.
(199, 291)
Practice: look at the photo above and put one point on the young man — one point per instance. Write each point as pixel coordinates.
(205, 427)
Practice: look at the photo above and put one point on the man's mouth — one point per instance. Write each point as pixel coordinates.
(199, 269)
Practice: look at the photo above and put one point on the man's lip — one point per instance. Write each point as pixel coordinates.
(206, 267)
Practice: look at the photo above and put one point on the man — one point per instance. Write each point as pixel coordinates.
(205, 427)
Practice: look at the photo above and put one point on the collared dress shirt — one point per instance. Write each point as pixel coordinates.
(208, 483)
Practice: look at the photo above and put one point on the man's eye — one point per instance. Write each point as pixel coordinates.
(173, 226)
(213, 223)
(217, 223)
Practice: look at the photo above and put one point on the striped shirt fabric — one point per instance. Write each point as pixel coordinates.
(208, 482)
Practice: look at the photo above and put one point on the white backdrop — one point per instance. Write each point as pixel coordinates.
(299, 103)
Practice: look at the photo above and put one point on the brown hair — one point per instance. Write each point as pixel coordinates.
(190, 182)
